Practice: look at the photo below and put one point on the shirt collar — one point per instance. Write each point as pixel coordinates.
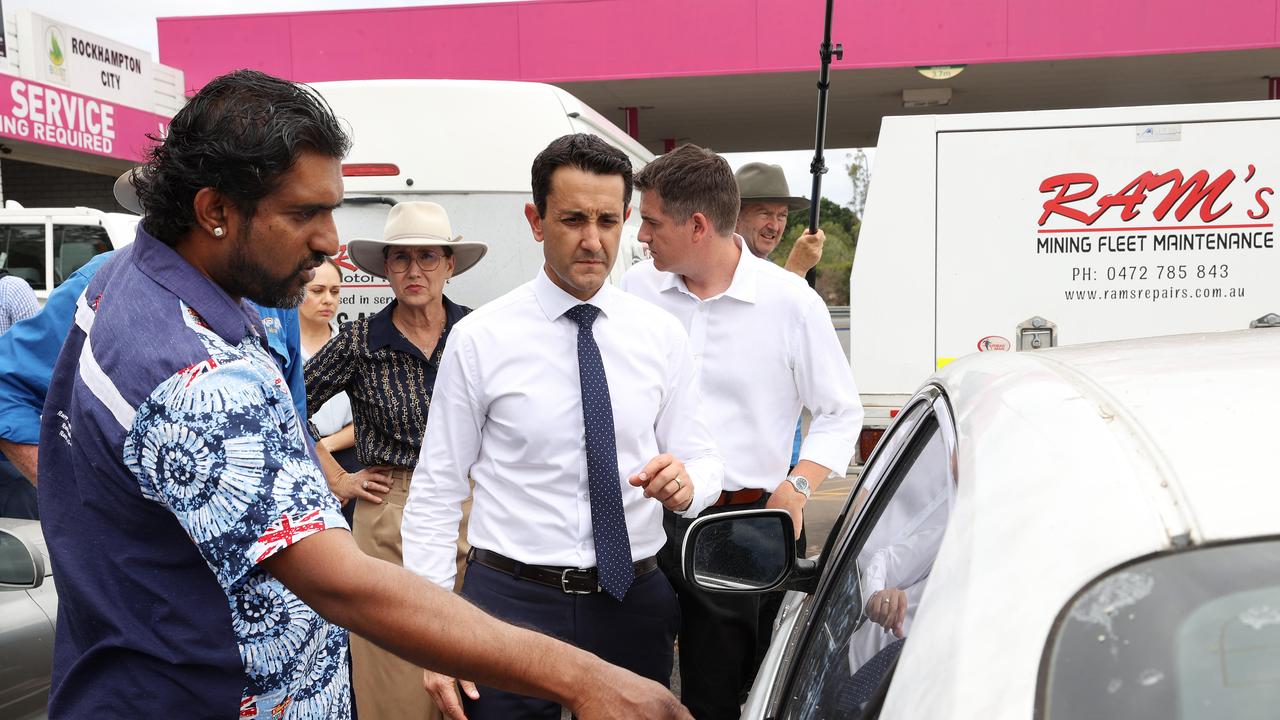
(231, 320)
(554, 301)
(745, 277)
(383, 332)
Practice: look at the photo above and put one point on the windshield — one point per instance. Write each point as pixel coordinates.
(1194, 634)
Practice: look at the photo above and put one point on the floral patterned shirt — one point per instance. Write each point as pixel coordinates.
(177, 465)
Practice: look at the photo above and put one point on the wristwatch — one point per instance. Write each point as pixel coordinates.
(801, 484)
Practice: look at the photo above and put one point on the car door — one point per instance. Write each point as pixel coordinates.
(876, 569)
(26, 634)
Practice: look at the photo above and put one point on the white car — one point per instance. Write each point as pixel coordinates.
(28, 611)
(1084, 532)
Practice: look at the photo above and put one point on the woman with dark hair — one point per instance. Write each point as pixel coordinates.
(387, 365)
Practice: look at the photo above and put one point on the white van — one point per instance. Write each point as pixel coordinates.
(468, 145)
(45, 245)
(1007, 231)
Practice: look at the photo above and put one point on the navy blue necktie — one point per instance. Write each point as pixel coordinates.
(608, 523)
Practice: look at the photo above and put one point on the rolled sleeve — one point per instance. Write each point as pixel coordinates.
(429, 525)
(825, 384)
(28, 352)
(681, 429)
(220, 448)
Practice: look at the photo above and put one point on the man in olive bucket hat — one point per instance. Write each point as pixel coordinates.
(762, 218)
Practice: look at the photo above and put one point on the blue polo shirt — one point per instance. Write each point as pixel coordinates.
(172, 465)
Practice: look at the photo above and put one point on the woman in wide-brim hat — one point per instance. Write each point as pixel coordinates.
(387, 364)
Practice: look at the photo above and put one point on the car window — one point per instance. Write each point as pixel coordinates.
(22, 253)
(1188, 635)
(853, 635)
(75, 245)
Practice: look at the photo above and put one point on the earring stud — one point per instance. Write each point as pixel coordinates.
(217, 232)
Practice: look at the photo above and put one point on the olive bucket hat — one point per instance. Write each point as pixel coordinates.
(765, 183)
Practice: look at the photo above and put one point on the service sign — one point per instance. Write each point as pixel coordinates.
(51, 116)
(85, 63)
(1108, 232)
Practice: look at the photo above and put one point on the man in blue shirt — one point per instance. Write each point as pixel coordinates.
(200, 557)
(28, 352)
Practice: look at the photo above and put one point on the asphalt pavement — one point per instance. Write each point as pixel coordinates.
(825, 506)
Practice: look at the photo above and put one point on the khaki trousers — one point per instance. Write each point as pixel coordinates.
(386, 687)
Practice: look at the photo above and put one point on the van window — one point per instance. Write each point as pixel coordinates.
(1192, 634)
(22, 253)
(75, 245)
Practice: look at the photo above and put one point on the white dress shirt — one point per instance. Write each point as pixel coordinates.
(764, 348)
(507, 410)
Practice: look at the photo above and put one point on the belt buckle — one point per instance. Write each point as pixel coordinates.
(564, 583)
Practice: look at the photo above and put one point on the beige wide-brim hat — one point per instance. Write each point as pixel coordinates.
(124, 192)
(765, 183)
(415, 224)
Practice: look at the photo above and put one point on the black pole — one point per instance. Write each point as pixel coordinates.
(818, 167)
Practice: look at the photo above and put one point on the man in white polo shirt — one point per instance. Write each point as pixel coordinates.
(764, 347)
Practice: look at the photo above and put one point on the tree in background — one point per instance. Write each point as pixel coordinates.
(841, 224)
(859, 170)
(841, 227)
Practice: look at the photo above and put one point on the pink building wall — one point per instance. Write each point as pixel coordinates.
(576, 40)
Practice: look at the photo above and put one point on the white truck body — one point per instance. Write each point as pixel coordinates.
(468, 145)
(45, 245)
(1107, 223)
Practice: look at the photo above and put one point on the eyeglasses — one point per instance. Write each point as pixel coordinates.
(428, 260)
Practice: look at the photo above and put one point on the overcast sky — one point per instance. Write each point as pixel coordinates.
(133, 22)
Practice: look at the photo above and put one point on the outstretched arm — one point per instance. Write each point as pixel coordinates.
(431, 627)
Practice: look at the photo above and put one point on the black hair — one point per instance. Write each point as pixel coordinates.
(585, 152)
(238, 135)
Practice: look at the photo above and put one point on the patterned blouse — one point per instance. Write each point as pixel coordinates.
(389, 382)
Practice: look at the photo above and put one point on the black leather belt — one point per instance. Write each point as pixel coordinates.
(739, 497)
(570, 580)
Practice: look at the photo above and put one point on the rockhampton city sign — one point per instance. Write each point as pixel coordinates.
(82, 62)
(79, 91)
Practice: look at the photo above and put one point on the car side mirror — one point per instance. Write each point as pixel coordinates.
(21, 564)
(741, 551)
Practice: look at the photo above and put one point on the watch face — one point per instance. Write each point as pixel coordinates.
(801, 483)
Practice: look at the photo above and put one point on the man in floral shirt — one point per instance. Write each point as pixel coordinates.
(199, 555)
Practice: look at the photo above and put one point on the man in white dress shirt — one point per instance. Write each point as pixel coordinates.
(573, 407)
(764, 347)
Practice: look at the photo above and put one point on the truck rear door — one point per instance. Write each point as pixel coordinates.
(1104, 232)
